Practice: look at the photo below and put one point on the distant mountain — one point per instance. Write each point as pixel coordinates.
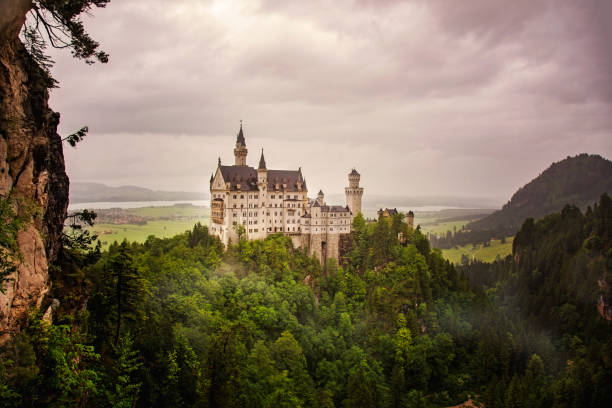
(95, 192)
(579, 180)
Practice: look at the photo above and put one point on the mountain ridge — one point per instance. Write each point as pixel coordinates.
(579, 180)
(82, 192)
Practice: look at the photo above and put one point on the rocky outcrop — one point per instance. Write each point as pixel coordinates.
(32, 171)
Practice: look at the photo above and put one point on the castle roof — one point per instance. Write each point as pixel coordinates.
(390, 211)
(246, 176)
(354, 173)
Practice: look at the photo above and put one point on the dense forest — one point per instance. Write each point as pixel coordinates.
(185, 322)
(578, 180)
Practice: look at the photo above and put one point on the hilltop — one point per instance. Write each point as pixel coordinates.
(81, 192)
(578, 180)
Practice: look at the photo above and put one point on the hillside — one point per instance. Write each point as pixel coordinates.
(578, 180)
(94, 192)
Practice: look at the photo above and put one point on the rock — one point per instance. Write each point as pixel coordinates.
(32, 171)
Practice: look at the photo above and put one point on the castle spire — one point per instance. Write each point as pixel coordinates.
(262, 161)
(240, 152)
(240, 138)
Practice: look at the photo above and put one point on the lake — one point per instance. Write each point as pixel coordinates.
(135, 204)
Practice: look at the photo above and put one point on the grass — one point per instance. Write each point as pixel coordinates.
(488, 254)
(165, 222)
(107, 233)
(435, 227)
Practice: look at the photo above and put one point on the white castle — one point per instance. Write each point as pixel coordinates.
(276, 201)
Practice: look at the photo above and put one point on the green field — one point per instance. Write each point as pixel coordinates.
(434, 227)
(478, 252)
(107, 233)
(163, 222)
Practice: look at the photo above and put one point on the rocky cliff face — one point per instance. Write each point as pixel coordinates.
(31, 170)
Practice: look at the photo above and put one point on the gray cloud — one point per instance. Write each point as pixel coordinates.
(424, 97)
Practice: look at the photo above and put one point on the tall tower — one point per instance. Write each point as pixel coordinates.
(354, 193)
(240, 151)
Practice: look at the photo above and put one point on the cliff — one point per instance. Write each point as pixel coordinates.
(32, 171)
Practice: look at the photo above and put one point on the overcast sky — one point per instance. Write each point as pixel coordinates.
(423, 97)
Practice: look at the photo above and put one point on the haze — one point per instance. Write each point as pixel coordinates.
(423, 97)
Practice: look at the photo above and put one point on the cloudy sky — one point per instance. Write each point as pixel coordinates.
(423, 97)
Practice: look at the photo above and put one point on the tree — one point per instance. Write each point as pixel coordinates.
(122, 389)
(56, 23)
(127, 288)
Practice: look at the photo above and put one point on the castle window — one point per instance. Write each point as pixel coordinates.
(256, 196)
(234, 205)
(241, 195)
(272, 195)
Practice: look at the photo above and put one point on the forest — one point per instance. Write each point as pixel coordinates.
(184, 322)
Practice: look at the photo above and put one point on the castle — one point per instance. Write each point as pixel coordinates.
(267, 202)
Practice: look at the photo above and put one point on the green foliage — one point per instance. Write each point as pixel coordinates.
(48, 365)
(10, 225)
(183, 322)
(77, 136)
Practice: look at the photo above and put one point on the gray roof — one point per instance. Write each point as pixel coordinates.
(354, 173)
(334, 208)
(246, 176)
(288, 177)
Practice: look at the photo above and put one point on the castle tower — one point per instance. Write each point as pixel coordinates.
(321, 198)
(240, 152)
(410, 219)
(262, 172)
(354, 193)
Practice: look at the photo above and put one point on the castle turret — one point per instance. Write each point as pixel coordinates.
(321, 198)
(262, 172)
(240, 152)
(354, 193)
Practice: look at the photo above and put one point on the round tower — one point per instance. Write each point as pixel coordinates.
(354, 193)
(240, 151)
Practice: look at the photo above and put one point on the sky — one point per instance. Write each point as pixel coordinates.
(422, 97)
